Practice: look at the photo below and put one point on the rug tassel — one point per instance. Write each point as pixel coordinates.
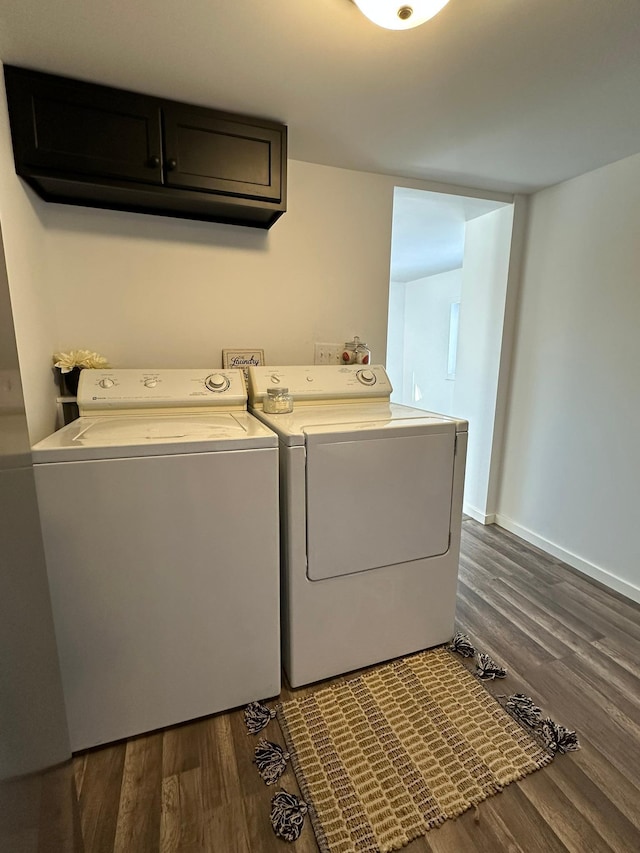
(523, 709)
(257, 716)
(271, 760)
(487, 668)
(476, 814)
(462, 645)
(287, 815)
(558, 738)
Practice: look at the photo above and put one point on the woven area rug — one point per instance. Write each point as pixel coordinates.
(383, 758)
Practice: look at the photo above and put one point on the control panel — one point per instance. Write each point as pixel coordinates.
(128, 388)
(308, 383)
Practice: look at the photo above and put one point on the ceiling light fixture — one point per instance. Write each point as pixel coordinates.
(398, 15)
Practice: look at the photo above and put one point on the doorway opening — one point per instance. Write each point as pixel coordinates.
(447, 294)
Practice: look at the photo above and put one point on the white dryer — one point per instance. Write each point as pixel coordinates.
(159, 510)
(371, 511)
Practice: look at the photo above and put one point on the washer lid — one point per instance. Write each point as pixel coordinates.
(115, 437)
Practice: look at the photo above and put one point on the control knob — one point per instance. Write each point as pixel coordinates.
(367, 377)
(106, 383)
(150, 383)
(217, 382)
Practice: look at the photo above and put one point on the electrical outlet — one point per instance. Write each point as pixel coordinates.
(328, 354)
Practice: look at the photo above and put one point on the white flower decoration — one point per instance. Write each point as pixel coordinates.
(67, 361)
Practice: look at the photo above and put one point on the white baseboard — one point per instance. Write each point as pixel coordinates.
(467, 509)
(590, 569)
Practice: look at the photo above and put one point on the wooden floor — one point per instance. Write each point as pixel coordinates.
(569, 643)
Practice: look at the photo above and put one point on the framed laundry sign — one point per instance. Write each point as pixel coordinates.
(243, 359)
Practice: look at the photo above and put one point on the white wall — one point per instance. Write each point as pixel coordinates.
(427, 303)
(32, 717)
(486, 287)
(487, 251)
(395, 339)
(149, 291)
(153, 291)
(21, 216)
(571, 470)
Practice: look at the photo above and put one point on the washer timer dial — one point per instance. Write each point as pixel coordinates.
(217, 382)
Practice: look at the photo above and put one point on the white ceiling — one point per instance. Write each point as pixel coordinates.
(508, 95)
(428, 231)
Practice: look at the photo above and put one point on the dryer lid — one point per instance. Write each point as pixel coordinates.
(296, 427)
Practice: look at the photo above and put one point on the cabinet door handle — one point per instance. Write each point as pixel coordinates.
(153, 162)
(171, 165)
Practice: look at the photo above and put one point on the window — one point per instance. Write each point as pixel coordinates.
(454, 318)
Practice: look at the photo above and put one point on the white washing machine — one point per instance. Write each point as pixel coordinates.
(159, 510)
(371, 511)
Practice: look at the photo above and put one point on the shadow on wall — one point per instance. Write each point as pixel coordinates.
(143, 226)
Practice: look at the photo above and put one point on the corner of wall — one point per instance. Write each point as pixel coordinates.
(23, 237)
(509, 334)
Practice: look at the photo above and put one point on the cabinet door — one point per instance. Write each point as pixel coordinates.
(223, 153)
(68, 126)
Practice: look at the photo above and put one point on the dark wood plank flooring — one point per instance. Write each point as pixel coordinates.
(567, 641)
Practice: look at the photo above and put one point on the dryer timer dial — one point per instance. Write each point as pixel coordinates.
(367, 377)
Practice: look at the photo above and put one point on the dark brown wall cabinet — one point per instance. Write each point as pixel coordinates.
(79, 143)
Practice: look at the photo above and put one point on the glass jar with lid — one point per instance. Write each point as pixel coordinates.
(277, 401)
(356, 352)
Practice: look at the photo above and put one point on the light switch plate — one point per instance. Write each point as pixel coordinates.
(328, 353)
